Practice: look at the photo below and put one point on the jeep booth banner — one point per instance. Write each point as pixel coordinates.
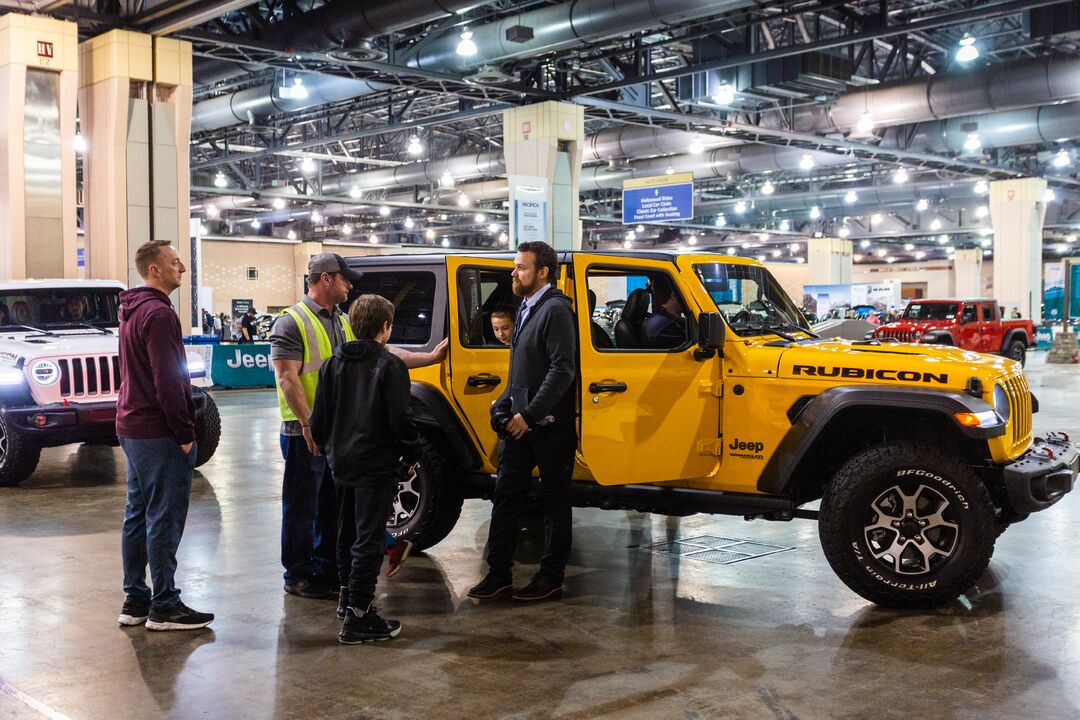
(242, 365)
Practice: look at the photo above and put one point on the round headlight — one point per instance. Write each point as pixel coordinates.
(916, 336)
(1001, 403)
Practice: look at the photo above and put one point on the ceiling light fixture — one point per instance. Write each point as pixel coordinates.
(1061, 159)
(373, 238)
(972, 143)
(844, 231)
(278, 203)
(504, 238)
(479, 218)
(806, 162)
(409, 223)
(721, 220)
(1049, 195)
(942, 238)
(308, 166)
(920, 255)
(316, 217)
(220, 180)
(429, 234)
(291, 234)
(740, 207)
(346, 229)
(935, 224)
(900, 176)
(850, 197)
(493, 228)
(80, 143)
(785, 225)
(384, 211)
(255, 223)
(692, 240)
(696, 146)
(981, 187)
(815, 212)
(875, 219)
(865, 126)
(966, 50)
(768, 188)
(725, 94)
(909, 247)
(864, 244)
(414, 147)
(466, 48)
(463, 200)
(922, 204)
(212, 210)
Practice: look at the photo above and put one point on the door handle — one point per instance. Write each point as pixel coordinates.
(482, 380)
(607, 387)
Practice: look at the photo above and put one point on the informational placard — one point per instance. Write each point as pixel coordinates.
(530, 221)
(240, 306)
(242, 365)
(663, 198)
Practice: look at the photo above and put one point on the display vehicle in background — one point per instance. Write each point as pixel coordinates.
(60, 372)
(921, 455)
(969, 324)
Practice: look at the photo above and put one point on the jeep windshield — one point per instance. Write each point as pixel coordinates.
(750, 299)
(59, 308)
(930, 311)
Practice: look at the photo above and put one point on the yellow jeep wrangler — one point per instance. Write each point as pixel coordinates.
(920, 455)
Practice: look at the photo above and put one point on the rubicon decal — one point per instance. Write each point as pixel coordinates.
(746, 449)
(912, 376)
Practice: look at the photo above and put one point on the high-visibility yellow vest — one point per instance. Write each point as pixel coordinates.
(316, 351)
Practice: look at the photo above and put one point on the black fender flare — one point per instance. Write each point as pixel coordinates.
(935, 337)
(1013, 335)
(431, 409)
(815, 416)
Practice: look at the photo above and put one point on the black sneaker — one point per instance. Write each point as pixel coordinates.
(491, 586)
(542, 587)
(363, 626)
(342, 602)
(310, 588)
(134, 612)
(180, 617)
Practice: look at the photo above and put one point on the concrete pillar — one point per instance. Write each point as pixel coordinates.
(829, 261)
(967, 271)
(38, 79)
(1017, 210)
(135, 110)
(302, 253)
(543, 144)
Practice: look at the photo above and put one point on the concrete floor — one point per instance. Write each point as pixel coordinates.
(637, 636)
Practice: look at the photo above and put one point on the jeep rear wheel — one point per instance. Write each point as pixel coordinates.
(207, 432)
(428, 502)
(907, 525)
(1017, 351)
(18, 456)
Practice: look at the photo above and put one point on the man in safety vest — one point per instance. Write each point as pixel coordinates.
(302, 338)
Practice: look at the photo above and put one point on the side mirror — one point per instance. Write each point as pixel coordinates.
(711, 331)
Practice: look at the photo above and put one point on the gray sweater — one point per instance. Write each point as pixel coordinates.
(543, 364)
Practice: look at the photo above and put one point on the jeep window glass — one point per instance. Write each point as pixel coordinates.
(482, 291)
(750, 299)
(57, 308)
(930, 311)
(636, 310)
(413, 295)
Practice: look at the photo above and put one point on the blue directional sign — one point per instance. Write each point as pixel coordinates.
(658, 199)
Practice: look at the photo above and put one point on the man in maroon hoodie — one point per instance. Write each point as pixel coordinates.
(155, 421)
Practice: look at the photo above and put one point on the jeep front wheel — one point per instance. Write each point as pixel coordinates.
(428, 502)
(907, 525)
(18, 456)
(207, 432)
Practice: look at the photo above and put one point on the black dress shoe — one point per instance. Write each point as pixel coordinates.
(491, 586)
(542, 587)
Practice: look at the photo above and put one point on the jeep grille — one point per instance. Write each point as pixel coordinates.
(91, 376)
(1016, 388)
(907, 336)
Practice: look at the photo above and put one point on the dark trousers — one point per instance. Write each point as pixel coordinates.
(158, 489)
(308, 514)
(364, 506)
(551, 448)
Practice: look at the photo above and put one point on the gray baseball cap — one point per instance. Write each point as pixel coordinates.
(331, 263)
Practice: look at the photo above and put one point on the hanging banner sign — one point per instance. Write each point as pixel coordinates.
(530, 221)
(663, 198)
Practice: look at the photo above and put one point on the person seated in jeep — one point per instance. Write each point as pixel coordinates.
(666, 327)
(502, 324)
(75, 309)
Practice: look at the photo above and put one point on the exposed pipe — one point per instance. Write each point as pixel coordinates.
(940, 195)
(559, 27)
(1006, 86)
(1044, 124)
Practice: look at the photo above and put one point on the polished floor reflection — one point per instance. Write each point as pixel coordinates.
(638, 635)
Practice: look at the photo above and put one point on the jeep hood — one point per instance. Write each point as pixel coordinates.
(64, 344)
(836, 360)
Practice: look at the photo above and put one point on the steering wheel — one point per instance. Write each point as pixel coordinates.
(742, 317)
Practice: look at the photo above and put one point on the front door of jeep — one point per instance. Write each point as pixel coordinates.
(479, 362)
(647, 411)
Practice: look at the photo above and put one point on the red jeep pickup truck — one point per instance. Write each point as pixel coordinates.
(968, 324)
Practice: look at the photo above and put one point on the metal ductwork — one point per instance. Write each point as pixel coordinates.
(1005, 86)
(948, 195)
(460, 167)
(559, 27)
(1045, 124)
(255, 105)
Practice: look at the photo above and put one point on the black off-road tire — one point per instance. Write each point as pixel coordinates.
(207, 432)
(427, 504)
(1017, 351)
(18, 456)
(858, 508)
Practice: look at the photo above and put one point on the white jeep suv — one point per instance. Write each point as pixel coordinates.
(60, 372)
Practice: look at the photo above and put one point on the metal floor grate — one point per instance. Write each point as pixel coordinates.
(714, 549)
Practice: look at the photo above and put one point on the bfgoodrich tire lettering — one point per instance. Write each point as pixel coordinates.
(907, 525)
(18, 456)
(428, 503)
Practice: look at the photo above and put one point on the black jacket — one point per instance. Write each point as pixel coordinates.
(543, 363)
(361, 416)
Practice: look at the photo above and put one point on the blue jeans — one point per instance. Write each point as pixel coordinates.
(158, 488)
(309, 510)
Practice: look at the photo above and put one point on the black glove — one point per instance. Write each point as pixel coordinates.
(499, 418)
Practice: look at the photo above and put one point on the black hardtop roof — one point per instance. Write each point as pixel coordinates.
(435, 258)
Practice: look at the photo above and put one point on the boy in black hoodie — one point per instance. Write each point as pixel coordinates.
(362, 420)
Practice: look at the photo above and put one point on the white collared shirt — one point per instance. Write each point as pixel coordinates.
(530, 302)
